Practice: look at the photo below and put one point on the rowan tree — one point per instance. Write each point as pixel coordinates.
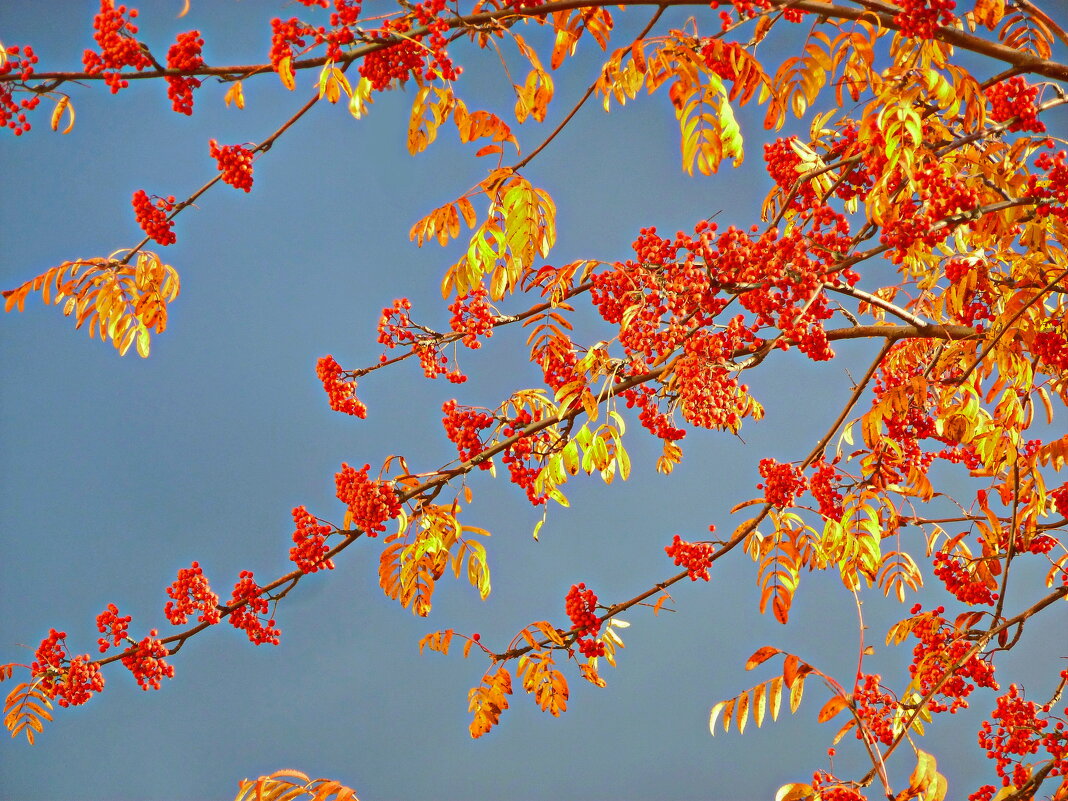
(917, 209)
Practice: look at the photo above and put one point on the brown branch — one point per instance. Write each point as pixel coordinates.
(739, 536)
(857, 392)
(898, 332)
(980, 644)
(497, 322)
(958, 38)
(1008, 325)
(582, 101)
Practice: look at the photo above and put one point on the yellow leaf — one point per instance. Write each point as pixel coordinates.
(362, 97)
(64, 104)
(795, 695)
(285, 73)
(623, 460)
(760, 703)
(715, 713)
(794, 792)
(142, 341)
(775, 696)
(742, 714)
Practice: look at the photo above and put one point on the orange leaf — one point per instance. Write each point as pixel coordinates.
(831, 708)
(762, 655)
(789, 669)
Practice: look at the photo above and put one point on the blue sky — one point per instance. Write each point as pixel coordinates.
(118, 472)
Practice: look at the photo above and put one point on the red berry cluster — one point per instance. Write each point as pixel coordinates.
(746, 9)
(395, 326)
(152, 215)
(72, 683)
(939, 195)
(787, 287)
(472, 316)
(235, 164)
(720, 56)
(782, 482)
(696, 557)
(184, 55)
(346, 12)
(674, 288)
(146, 662)
(191, 595)
(908, 427)
(557, 358)
(631, 287)
(285, 37)
(310, 537)
(371, 503)
(113, 627)
(20, 61)
(82, 680)
(1043, 543)
(292, 34)
(409, 54)
(50, 654)
(1015, 98)
(663, 297)
(876, 708)
(939, 649)
(523, 456)
(785, 167)
(709, 395)
(984, 793)
(979, 302)
(463, 426)
(434, 363)
(1051, 348)
(655, 421)
(822, 485)
(114, 34)
(1052, 192)
(394, 63)
(342, 394)
(430, 13)
(965, 584)
(1059, 497)
(343, 18)
(828, 787)
(1019, 730)
(857, 180)
(249, 616)
(581, 607)
(922, 18)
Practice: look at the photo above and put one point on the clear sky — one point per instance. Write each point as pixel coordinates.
(118, 472)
